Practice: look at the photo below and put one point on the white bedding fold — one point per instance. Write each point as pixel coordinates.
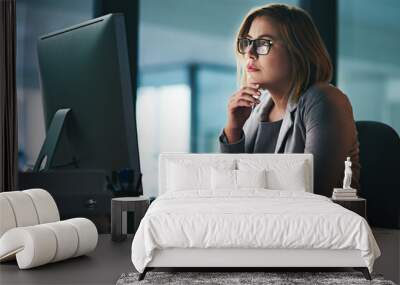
(250, 219)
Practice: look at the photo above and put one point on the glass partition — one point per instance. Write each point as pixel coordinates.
(369, 65)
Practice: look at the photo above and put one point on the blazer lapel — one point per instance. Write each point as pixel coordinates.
(287, 122)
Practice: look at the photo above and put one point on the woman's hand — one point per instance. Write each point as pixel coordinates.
(239, 109)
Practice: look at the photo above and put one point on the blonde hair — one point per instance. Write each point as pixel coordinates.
(310, 61)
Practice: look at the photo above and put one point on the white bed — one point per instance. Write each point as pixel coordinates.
(200, 219)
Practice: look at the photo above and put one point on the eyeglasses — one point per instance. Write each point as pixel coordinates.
(259, 46)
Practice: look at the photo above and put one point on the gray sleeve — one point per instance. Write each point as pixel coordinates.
(330, 135)
(237, 147)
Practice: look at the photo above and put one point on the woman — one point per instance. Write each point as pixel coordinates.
(285, 103)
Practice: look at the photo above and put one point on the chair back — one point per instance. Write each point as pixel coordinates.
(379, 183)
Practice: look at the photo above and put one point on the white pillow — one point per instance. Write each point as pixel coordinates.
(289, 175)
(251, 178)
(182, 177)
(193, 175)
(223, 179)
(292, 179)
(236, 179)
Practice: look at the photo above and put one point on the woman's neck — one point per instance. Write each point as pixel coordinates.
(280, 97)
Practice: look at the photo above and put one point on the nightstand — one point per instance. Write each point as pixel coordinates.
(357, 205)
(119, 207)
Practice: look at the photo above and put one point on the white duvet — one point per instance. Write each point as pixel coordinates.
(250, 219)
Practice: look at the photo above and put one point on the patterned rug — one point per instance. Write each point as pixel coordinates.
(242, 278)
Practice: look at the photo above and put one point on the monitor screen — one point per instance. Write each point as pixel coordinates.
(85, 68)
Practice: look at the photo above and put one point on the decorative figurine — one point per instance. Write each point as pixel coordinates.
(345, 193)
(347, 174)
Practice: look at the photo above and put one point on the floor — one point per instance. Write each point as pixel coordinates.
(111, 259)
(103, 266)
(388, 263)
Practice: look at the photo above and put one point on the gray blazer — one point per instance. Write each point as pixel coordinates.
(321, 122)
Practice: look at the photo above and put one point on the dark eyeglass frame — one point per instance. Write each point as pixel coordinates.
(255, 45)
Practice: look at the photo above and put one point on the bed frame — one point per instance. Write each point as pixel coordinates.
(243, 259)
(246, 258)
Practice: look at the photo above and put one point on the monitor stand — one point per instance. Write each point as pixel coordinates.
(49, 147)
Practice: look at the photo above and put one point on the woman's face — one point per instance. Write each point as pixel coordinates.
(271, 71)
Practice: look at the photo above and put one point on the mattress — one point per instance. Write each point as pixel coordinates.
(250, 219)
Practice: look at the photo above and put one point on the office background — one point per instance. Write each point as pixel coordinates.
(186, 68)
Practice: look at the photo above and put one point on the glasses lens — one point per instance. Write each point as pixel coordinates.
(243, 45)
(262, 46)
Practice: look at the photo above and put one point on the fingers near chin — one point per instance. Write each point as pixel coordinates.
(252, 84)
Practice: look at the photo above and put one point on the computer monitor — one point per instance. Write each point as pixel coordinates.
(88, 98)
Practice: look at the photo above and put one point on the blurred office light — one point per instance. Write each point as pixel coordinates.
(163, 122)
(166, 99)
(369, 62)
